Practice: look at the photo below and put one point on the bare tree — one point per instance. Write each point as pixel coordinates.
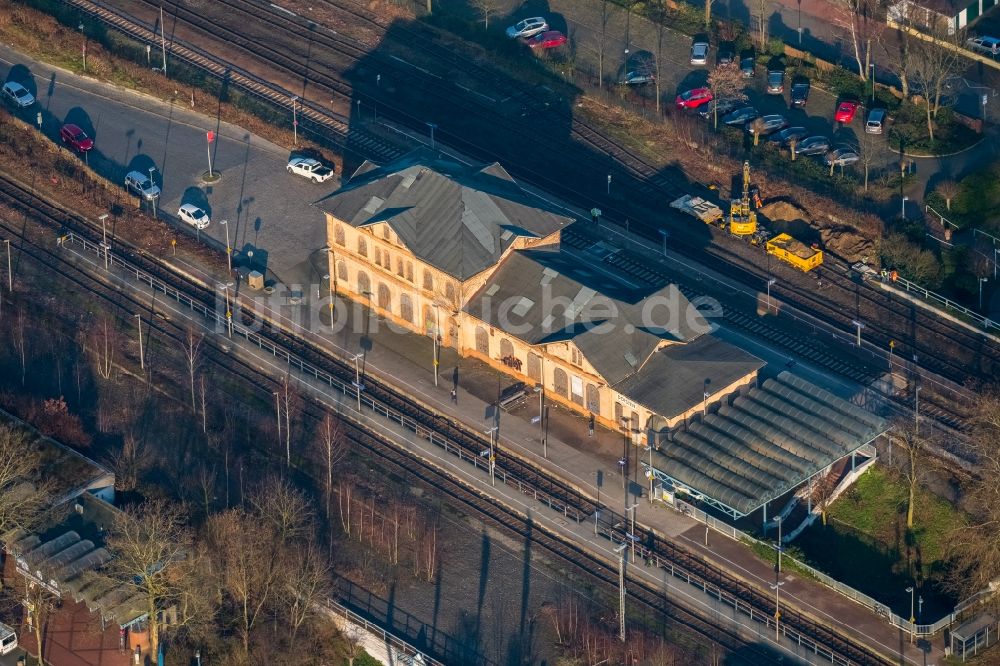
(283, 508)
(150, 544)
(333, 447)
(23, 492)
(857, 18)
(871, 151)
(760, 9)
(726, 81)
(486, 8)
(102, 342)
(353, 641)
(192, 356)
(948, 189)
(129, 462)
(932, 65)
(308, 584)
(657, 12)
(39, 603)
(912, 465)
(896, 47)
(21, 344)
(975, 547)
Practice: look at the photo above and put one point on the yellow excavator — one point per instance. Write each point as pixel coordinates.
(742, 218)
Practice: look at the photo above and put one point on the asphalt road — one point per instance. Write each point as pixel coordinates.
(269, 210)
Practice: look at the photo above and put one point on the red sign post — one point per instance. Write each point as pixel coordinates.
(210, 135)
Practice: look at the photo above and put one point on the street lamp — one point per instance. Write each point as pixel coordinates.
(920, 607)
(666, 235)
(631, 533)
(84, 46)
(540, 390)
(913, 618)
(436, 343)
(903, 207)
(357, 377)
(778, 520)
(981, 281)
(859, 326)
(777, 608)
(197, 656)
(769, 283)
(433, 127)
(153, 182)
(142, 358)
(225, 287)
(871, 66)
(609, 184)
(104, 234)
(492, 432)
(229, 247)
(295, 120)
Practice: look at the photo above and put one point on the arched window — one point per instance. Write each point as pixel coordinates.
(409, 271)
(535, 366)
(449, 291)
(560, 382)
(482, 341)
(362, 246)
(634, 421)
(593, 399)
(428, 280)
(364, 284)
(430, 322)
(386, 234)
(399, 267)
(506, 349)
(338, 234)
(342, 270)
(377, 255)
(619, 414)
(406, 307)
(384, 297)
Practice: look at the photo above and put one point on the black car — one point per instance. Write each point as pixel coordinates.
(800, 92)
(813, 145)
(785, 136)
(748, 64)
(740, 116)
(726, 54)
(722, 106)
(775, 82)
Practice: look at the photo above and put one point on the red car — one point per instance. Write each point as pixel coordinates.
(546, 40)
(692, 99)
(76, 137)
(845, 112)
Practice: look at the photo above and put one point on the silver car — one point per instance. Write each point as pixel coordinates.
(139, 183)
(18, 94)
(699, 53)
(529, 27)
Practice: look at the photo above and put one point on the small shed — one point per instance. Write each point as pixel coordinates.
(977, 634)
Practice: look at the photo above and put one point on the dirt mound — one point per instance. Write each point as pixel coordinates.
(783, 211)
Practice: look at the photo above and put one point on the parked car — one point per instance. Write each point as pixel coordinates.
(692, 99)
(310, 168)
(988, 45)
(841, 156)
(18, 94)
(740, 116)
(194, 216)
(726, 54)
(775, 81)
(876, 121)
(845, 111)
(800, 92)
(637, 77)
(529, 27)
(813, 145)
(699, 52)
(75, 138)
(546, 40)
(785, 136)
(767, 124)
(139, 183)
(748, 64)
(720, 106)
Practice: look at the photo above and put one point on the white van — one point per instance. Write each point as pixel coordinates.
(8, 639)
(876, 121)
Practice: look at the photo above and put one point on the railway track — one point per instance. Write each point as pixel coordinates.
(886, 319)
(455, 439)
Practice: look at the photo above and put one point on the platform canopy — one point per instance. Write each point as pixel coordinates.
(764, 444)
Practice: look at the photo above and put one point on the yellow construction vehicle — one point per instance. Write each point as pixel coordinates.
(795, 252)
(742, 218)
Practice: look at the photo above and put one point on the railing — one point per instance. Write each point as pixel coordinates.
(944, 220)
(931, 297)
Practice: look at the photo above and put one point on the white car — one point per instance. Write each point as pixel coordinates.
(194, 216)
(309, 168)
(18, 94)
(699, 53)
(529, 27)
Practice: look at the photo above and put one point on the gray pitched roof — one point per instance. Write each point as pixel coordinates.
(673, 379)
(546, 295)
(457, 218)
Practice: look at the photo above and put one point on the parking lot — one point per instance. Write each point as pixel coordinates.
(269, 211)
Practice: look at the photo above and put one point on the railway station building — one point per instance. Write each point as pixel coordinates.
(464, 253)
